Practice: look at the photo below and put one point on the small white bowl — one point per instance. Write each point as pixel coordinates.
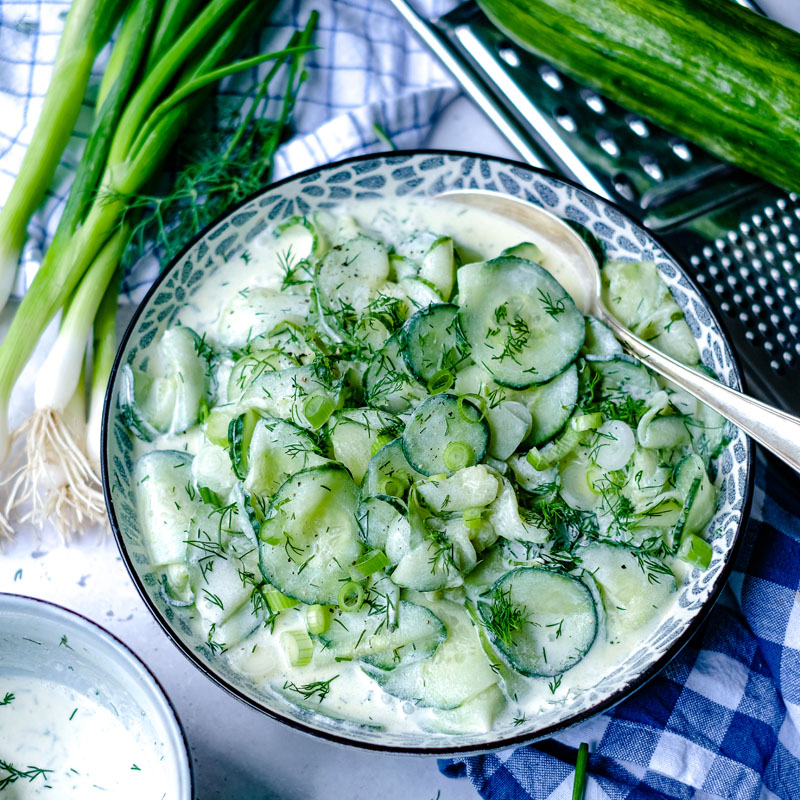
(47, 642)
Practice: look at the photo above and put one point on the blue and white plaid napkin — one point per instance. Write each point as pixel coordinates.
(721, 721)
(369, 70)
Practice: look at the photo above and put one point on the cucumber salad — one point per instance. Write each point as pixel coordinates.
(390, 472)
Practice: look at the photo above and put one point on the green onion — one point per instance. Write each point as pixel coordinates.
(473, 518)
(579, 781)
(381, 440)
(318, 409)
(298, 646)
(369, 563)
(240, 432)
(440, 381)
(351, 596)
(87, 28)
(555, 451)
(317, 618)
(104, 351)
(476, 404)
(586, 422)
(695, 551)
(457, 455)
(209, 497)
(392, 486)
(277, 601)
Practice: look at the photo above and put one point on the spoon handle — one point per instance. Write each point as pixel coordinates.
(776, 430)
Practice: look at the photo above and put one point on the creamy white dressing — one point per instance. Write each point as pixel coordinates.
(85, 748)
(353, 695)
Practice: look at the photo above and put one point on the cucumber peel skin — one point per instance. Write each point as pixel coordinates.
(715, 73)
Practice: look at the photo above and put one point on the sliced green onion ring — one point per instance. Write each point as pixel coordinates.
(350, 596)
(440, 381)
(277, 601)
(475, 401)
(473, 517)
(457, 455)
(695, 551)
(392, 486)
(318, 409)
(298, 646)
(317, 618)
(586, 422)
(371, 562)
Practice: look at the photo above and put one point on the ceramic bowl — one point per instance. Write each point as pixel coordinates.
(45, 641)
(425, 174)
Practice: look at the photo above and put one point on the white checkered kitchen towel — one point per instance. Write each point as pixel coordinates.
(722, 720)
(369, 69)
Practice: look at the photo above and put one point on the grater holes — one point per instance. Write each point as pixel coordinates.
(551, 78)
(509, 54)
(651, 167)
(593, 101)
(608, 142)
(638, 126)
(624, 187)
(565, 120)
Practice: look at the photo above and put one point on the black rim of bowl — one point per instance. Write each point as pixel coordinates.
(446, 751)
(125, 648)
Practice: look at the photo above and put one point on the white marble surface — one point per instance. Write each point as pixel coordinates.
(238, 753)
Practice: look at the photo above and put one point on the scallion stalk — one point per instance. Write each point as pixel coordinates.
(88, 27)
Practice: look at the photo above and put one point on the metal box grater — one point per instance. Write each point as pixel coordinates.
(739, 236)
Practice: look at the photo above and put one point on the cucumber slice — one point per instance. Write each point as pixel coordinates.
(439, 266)
(211, 467)
(388, 385)
(691, 481)
(384, 526)
(632, 592)
(419, 293)
(520, 322)
(505, 518)
(166, 506)
(278, 449)
(354, 432)
(429, 566)
(284, 394)
(623, 375)
(366, 634)
(145, 406)
(436, 426)
(542, 622)
(474, 716)
(313, 520)
(526, 250)
(250, 367)
(256, 311)
(389, 472)
(600, 341)
(551, 405)
(432, 342)
(348, 276)
(457, 672)
(510, 423)
(473, 487)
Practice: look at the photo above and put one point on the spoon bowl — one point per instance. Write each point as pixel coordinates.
(579, 274)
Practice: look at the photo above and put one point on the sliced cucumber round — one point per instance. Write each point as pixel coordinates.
(600, 341)
(383, 524)
(310, 536)
(388, 385)
(366, 634)
(354, 431)
(623, 375)
(440, 424)
(432, 342)
(389, 472)
(543, 622)
(551, 405)
(520, 322)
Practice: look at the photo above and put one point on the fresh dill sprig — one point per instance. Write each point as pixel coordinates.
(13, 774)
(505, 617)
(319, 689)
(7, 700)
(552, 309)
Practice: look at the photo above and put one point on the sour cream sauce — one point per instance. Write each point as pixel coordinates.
(85, 749)
(353, 695)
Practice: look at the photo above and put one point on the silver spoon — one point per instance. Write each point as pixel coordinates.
(776, 430)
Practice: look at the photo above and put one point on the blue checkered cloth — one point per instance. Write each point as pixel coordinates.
(721, 721)
(369, 69)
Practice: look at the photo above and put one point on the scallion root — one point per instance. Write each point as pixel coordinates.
(57, 480)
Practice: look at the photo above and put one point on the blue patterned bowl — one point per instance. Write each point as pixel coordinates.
(424, 174)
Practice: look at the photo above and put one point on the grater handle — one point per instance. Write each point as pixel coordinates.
(776, 430)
